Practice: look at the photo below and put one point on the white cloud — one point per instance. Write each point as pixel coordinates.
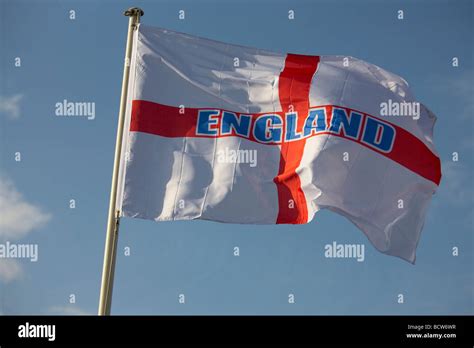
(18, 217)
(10, 106)
(10, 270)
(67, 310)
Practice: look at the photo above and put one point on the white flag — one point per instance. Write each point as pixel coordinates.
(241, 135)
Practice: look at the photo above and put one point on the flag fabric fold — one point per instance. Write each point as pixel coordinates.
(241, 135)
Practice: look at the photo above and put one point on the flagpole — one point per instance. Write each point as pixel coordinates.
(113, 220)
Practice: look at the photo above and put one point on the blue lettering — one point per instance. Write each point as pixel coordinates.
(241, 125)
(318, 115)
(264, 130)
(291, 123)
(350, 127)
(205, 121)
(372, 129)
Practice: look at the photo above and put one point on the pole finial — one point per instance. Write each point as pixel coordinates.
(134, 11)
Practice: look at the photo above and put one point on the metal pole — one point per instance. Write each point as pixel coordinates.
(113, 220)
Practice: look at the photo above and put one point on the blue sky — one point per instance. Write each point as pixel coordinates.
(71, 158)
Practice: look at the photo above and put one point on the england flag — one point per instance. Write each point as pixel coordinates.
(235, 134)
